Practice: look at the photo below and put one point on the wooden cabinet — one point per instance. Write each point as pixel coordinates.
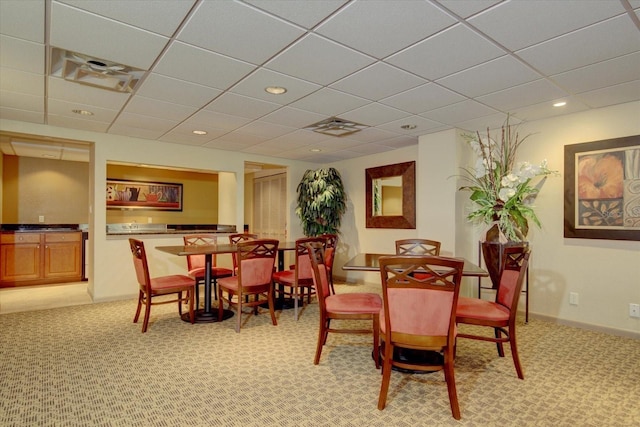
(40, 258)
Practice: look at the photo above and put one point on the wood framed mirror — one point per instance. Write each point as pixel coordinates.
(391, 196)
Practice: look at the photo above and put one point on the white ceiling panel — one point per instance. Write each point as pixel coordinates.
(378, 81)
(436, 64)
(165, 88)
(237, 30)
(307, 14)
(380, 28)
(163, 18)
(318, 60)
(23, 55)
(605, 40)
(23, 19)
(83, 32)
(546, 19)
(492, 76)
(448, 52)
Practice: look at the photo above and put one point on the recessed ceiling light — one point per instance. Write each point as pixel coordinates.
(275, 90)
(315, 150)
(200, 132)
(83, 112)
(409, 127)
(560, 104)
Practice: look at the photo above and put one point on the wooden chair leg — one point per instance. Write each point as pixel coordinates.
(239, 313)
(376, 340)
(499, 345)
(140, 296)
(514, 353)
(147, 312)
(386, 375)
(322, 338)
(451, 383)
(272, 309)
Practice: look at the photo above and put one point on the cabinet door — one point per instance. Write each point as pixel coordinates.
(20, 262)
(62, 260)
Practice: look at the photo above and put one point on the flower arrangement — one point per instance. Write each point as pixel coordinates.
(502, 189)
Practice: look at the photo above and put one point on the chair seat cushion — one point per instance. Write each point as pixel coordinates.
(285, 276)
(198, 273)
(354, 303)
(164, 283)
(481, 309)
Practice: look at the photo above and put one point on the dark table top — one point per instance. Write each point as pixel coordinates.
(184, 250)
(369, 262)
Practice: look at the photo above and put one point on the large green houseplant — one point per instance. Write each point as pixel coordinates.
(321, 201)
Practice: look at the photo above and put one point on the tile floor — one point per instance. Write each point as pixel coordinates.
(29, 298)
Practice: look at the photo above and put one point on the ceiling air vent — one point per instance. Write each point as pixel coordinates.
(335, 126)
(87, 70)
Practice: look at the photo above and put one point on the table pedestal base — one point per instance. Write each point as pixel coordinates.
(203, 317)
(415, 357)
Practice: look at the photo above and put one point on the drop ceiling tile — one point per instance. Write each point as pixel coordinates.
(492, 76)
(318, 60)
(372, 134)
(86, 95)
(618, 94)
(450, 51)
(227, 70)
(461, 111)
(599, 42)
(400, 141)
(107, 37)
(222, 144)
(216, 120)
(293, 117)
(77, 123)
(243, 138)
(145, 122)
(480, 124)
(23, 19)
(371, 148)
(242, 106)
(135, 132)
(321, 158)
(545, 19)
(21, 82)
(380, 28)
(329, 102)
(423, 125)
(334, 144)
(305, 13)
(262, 149)
(21, 115)
(606, 73)
(65, 109)
(374, 114)
(529, 93)
(145, 14)
(21, 101)
(466, 8)
(378, 81)
(546, 109)
(22, 55)
(299, 138)
(165, 88)
(160, 109)
(423, 98)
(269, 130)
(254, 86)
(180, 135)
(238, 30)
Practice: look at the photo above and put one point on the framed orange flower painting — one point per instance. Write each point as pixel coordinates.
(602, 189)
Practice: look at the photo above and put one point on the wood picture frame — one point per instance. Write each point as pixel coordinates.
(407, 171)
(602, 189)
(131, 194)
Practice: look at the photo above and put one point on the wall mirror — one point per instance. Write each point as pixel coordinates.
(391, 196)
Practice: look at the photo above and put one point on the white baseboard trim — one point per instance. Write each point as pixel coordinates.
(588, 326)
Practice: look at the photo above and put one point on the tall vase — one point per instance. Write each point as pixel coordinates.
(492, 252)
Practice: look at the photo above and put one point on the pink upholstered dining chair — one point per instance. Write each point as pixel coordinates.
(330, 254)
(419, 314)
(417, 247)
(256, 260)
(352, 306)
(157, 286)
(300, 276)
(500, 315)
(234, 239)
(196, 264)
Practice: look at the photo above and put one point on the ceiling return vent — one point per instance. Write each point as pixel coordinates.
(87, 70)
(335, 126)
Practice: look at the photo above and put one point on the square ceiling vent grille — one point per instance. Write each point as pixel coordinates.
(335, 126)
(87, 70)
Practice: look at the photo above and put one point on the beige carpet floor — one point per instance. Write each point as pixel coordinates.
(89, 365)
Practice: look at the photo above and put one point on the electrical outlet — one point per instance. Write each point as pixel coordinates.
(41, 218)
(573, 298)
(634, 310)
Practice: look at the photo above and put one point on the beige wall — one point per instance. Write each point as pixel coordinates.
(199, 202)
(58, 190)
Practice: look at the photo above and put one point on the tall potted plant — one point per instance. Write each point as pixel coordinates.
(502, 192)
(321, 201)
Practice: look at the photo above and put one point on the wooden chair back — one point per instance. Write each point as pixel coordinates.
(417, 247)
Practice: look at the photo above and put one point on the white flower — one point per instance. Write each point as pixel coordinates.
(510, 181)
(506, 193)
